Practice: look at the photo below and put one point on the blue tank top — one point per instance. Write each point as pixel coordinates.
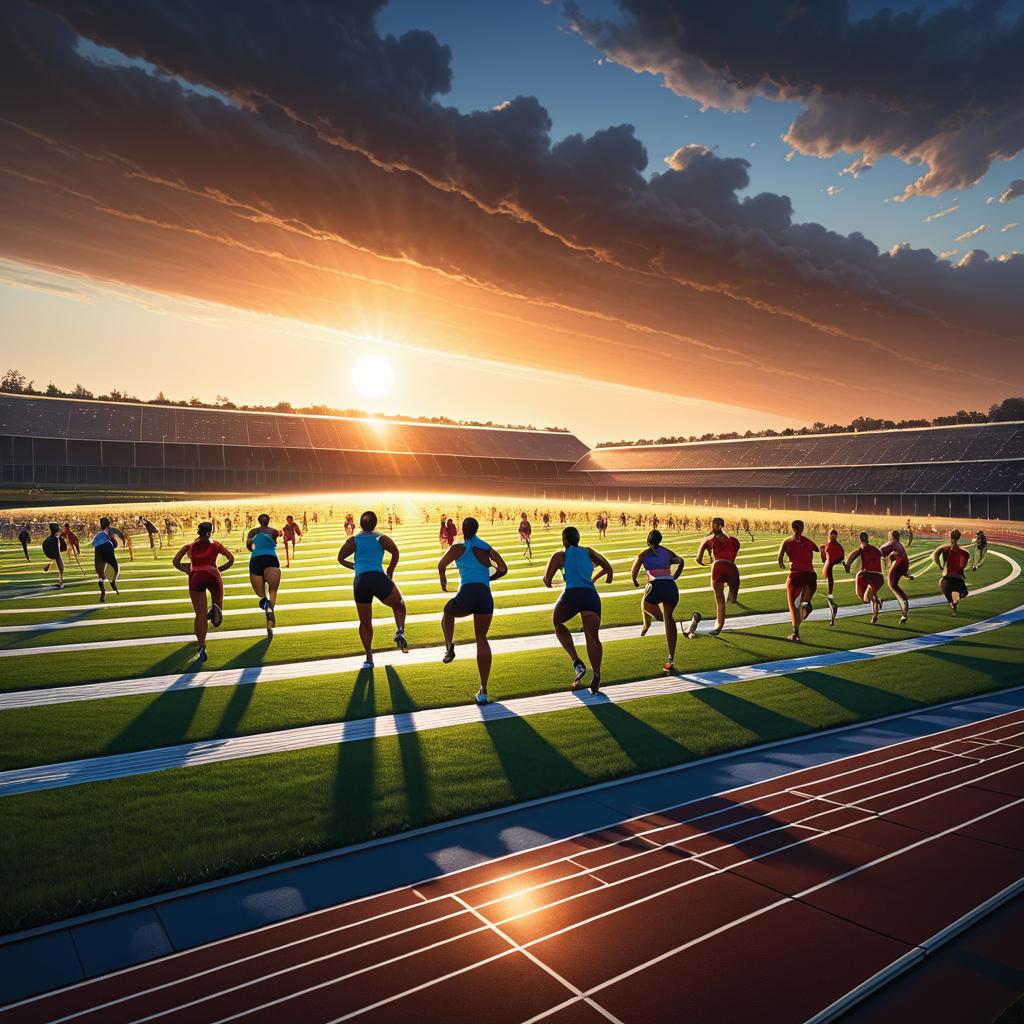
(263, 544)
(657, 563)
(578, 568)
(369, 553)
(471, 570)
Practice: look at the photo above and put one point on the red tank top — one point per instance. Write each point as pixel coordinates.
(723, 547)
(956, 560)
(870, 559)
(202, 554)
(801, 553)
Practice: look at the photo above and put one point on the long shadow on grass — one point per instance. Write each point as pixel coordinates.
(764, 723)
(863, 700)
(350, 812)
(410, 750)
(532, 765)
(42, 630)
(241, 695)
(163, 722)
(645, 746)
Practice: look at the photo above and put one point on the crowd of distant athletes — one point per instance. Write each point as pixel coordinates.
(479, 565)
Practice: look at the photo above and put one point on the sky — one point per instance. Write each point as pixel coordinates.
(632, 219)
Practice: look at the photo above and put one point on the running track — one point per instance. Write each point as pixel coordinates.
(783, 901)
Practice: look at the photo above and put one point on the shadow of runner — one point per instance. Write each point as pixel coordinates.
(241, 695)
(350, 804)
(762, 722)
(410, 750)
(532, 766)
(47, 629)
(163, 722)
(862, 699)
(645, 746)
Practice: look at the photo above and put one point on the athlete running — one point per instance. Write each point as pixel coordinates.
(869, 578)
(372, 580)
(350, 524)
(802, 581)
(71, 539)
(290, 532)
(832, 554)
(473, 558)
(264, 567)
(204, 578)
(525, 532)
(980, 550)
(898, 562)
(661, 595)
(52, 547)
(451, 532)
(952, 560)
(153, 532)
(103, 545)
(724, 572)
(581, 598)
(25, 538)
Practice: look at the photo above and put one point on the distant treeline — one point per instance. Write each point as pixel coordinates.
(1002, 412)
(15, 382)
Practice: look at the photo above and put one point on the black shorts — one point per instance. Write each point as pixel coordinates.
(472, 599)
(369, 585)
(576, 600)
(104, 555)
(950, 585)
(51, 548)
(662, 592)
(258, 563)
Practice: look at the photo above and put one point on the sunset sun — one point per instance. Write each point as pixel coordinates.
(373, 376)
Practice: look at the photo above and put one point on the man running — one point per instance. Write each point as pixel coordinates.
(71, 539)
(898, 562)
(980, 550)
(372, 580)
(152, 531)
(546, 520)
(869, 578)
(525, 532)
(832, 554)
(803, 580)
(581, 598)
(52, 547)
(952, 560)
(25, 538)
(103, 545)
(661, 595)
(290, 532)
(473, 558)
(204, 578)
(264, 567)
(724, 572)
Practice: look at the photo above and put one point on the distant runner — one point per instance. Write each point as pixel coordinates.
(71, 539)
(832, 554)
(724, 572)
(525, 532)
(264, 567)
(898, 561)
(473, 558)
(25, 539)
(952, 560)
(980, 550)
(661, 595)
(153, 532)
(803, 580)
(204, 578)
(372, 580)
(52, 547)
(290, 532)
(870, 578)
(103, 545)
(580, 598)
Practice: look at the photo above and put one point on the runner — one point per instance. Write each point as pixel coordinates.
(802, 581)
(451, 532)
(832, 554)
(153, 532)
(473, 558)
(581, 598)
(980, 550)
(71, 540)
(661, 595)
(264, 567)
(204, 578)
(350, 524)
(898, 561)
(25, 538)
(373, 581)
(952, 560)
(525, 532)
(103, 545)
(546, 520)
(52, 547)
(870, 578)
(724, 572)
(291, 532)
(442, 534)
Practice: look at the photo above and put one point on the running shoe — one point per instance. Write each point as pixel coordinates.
(876, 607)
(805, 610)
(903, 620)
(366, 664)
(795, 638)
(271, 617)
(113, 587)
(216, 616)
(579, 669)
(715, 631)
(264, 604)
(595, 684)
(669, 667)
(449, 654)
(202, 655)
(691, 631)
(482, 698)
(909, 577)
(833, 610)
(400, 642)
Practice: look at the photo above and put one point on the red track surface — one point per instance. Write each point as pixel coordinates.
(771, 902)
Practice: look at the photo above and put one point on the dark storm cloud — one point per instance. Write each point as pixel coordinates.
(944, 90)
(1013, 190)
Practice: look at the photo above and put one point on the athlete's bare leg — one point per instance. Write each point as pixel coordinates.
(365, 613)
(199, 603)
(671, 633)
(719, 588)
(595, 649)
(481, 624)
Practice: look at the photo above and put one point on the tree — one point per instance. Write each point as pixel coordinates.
(80, 392)
(16, 382)
(52, 391)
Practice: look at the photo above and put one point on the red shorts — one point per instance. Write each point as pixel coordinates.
(798, 581)
(897, 571)
(868, 580)
(205, 577)
(723, 571)
(827, 571)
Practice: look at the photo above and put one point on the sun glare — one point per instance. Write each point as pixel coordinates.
(373, 376)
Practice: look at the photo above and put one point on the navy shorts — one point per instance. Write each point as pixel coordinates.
(369, 585)
(662, 592)
(472, 599)
(104, 555)
(258, 563)
(576, 600)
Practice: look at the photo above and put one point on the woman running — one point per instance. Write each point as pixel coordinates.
(71, 539)
(869, 579)
(52, 547)
(724, 573)
(264, 567)
(204, 578)
(832, 554)
(103, 545)
(661, 595)
(291, 532)
(898, 561)
(580, 598)
(525, 533)
(952, 560)
(803, 580)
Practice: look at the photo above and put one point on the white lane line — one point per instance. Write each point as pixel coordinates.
(184, 755)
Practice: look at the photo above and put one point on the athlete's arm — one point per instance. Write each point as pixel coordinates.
(392, 548)
(848, 564)
(702, 549)
(676, 560)
(604, 566)
(555, 562)
(228, 555)
(345, 553)
(248, 540)
(939, 556)
(177, 560)
(500, 568)
(782, 553)
(635, 571)
(455, 551)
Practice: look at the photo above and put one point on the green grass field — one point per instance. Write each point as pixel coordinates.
(72, 849)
